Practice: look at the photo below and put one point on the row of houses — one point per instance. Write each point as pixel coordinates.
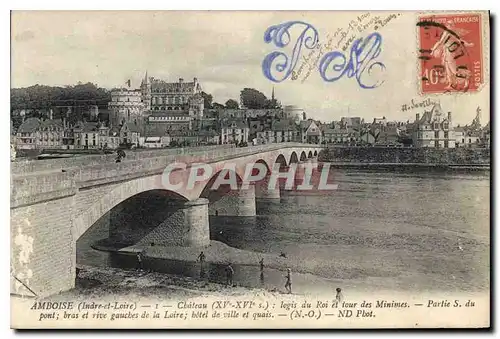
(432, 129)
(37, 133)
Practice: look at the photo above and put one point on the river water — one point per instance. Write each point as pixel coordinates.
(386, 230)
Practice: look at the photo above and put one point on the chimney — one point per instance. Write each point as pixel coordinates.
(449, 116)
(417, 116)
(181, 80)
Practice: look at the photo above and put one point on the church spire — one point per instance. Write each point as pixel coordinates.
(272, 95)
(145, 80)
(476, 123)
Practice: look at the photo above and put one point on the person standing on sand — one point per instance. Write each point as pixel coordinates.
(201, 258)
(261, 262)
(339, 297)
(288, 283)
(140, 258)
(229, 274)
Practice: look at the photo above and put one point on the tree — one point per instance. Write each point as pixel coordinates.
(270, 104)
(254, 99)
(207, 100)
(232, 104)
(38, 100)
(405, 140)
(216, 105)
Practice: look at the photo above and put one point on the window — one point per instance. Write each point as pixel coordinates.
(445, 125)
(436, 125)
(446, 135)
(436, 134)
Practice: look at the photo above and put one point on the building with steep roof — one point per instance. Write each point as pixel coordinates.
(86, 135)
(281, 130)
(433, 129)
(130, 133)
(310, 132)
(340, 133)
(37, 133)
(234, 131)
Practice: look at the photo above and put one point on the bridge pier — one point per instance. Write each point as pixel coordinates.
(196, 223)
(264, 192)
(236, 203)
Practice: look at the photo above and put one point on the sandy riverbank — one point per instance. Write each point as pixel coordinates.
(108, 282)
(217, 253)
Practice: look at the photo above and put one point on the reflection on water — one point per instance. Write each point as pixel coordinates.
(397, 230)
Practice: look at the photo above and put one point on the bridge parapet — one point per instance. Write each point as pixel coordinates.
(29, 166)
(32, 187)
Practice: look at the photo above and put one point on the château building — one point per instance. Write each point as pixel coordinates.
(433, 129)
(126, 105)
(159, 95)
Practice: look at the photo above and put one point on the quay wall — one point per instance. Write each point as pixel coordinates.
(407, 155)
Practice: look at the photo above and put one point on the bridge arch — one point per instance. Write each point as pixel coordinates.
(213, 193)
(294, 159)
(227, 196)
(140, 219)
(303, 156)
(114, 197)
(280, 159)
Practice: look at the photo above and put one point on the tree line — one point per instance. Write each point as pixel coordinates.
(44, 97)
(249, 97)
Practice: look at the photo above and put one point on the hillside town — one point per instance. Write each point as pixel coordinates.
(161, 114)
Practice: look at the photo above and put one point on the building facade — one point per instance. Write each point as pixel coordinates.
(433, 129)
(159, 95)
(86, 135)
(310, 132)
(125, 106)
(171, 120)
(234, 131)
(37, 133)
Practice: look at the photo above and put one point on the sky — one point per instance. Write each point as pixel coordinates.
(225, 51)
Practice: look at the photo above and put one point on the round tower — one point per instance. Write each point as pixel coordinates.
(294, 113)
(125, 106)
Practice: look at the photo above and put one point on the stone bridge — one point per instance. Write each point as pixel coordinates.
(54, 202)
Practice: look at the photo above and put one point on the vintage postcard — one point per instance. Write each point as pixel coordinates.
(261, 169)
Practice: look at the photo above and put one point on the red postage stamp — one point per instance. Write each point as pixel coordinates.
(450, 53)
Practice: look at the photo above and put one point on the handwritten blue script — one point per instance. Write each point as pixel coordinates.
(280, 35)
(361, 60)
